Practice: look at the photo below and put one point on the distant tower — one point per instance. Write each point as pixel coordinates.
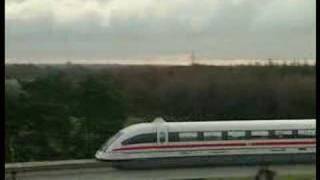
(193, 58)
(270, 63)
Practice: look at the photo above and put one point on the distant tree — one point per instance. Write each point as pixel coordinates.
(101, 109)
(46, 133)
(13, 105)
(39, 126)
(53, 117)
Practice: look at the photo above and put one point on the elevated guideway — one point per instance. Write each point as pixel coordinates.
(95, 170)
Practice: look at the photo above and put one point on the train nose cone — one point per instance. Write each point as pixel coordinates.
(99, 155)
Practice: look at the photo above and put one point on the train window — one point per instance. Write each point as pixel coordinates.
(233, 135)
(295, 133)
(212, 136)
(173, 137)
(110, 141)
(272, 134)
(200, 136)
(162, 137)
(263, 134)
(306, 133)
(279, 134)
(141, 138)
(188, 136)
(248, 134)
(224, 135)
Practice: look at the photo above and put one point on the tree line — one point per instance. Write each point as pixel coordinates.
(67, 112)
(53, 118)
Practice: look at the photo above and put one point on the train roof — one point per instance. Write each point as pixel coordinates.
(226, 125)
(242, 125)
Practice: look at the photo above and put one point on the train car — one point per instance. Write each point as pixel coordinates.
(171, 144)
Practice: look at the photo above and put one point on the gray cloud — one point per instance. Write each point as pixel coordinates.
(92, 29)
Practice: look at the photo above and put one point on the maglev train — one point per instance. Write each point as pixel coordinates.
(161, 144)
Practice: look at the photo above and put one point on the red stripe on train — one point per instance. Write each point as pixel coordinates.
(217, 145)
(283, 143)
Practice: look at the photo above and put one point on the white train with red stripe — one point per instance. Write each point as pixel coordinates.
(167, 144)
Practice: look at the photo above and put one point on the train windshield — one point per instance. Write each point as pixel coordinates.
(110, 141)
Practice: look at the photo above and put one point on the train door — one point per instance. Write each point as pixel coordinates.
(162, 135)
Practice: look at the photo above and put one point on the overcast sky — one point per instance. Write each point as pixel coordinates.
(102, 29)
